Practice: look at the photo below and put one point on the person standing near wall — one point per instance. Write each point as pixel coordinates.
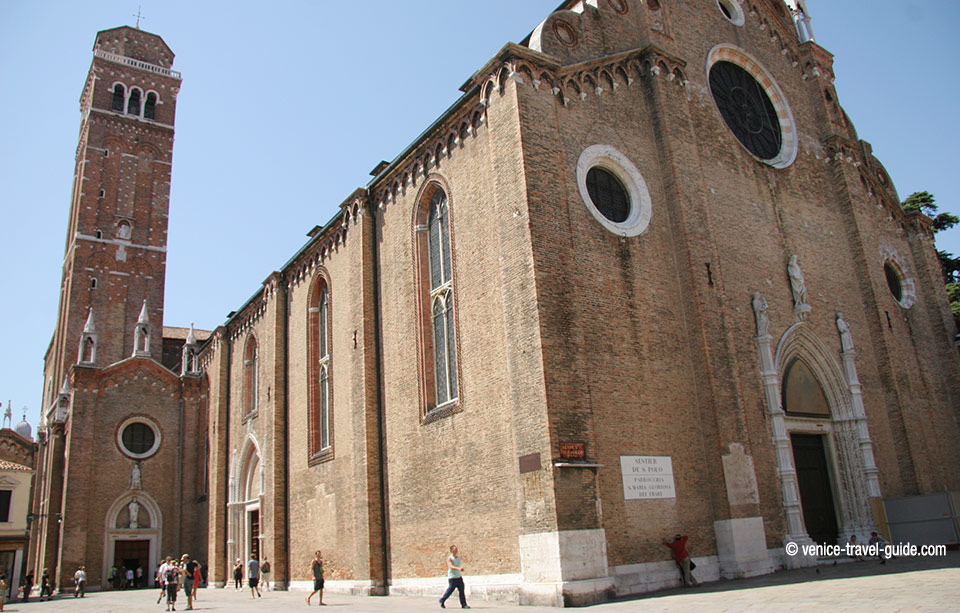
(238, 574)
(679, 548)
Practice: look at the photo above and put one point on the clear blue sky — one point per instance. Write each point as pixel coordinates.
(285, 109)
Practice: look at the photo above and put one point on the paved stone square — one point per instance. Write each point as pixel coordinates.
(915, 584)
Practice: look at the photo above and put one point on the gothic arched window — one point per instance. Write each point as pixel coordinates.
(320, 389)
(438, 329)
(250, 376)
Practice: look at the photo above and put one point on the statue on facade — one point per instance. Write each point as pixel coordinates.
(135, 482)
(760, 310)
(846, 340)
(799, 288)
(134, 509)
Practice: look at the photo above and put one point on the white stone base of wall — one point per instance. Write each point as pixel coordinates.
(742, 548)
(653, 576)
(634, 579)
(480, 587)
(354, 588)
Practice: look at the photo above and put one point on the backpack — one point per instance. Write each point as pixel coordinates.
(171, 575)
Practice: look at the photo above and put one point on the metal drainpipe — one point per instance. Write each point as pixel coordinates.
(228, 567)
(286, 417)
(381, 436)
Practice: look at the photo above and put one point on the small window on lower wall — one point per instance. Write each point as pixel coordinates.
(613, 190)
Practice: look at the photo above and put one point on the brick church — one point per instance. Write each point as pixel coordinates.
(642, 278)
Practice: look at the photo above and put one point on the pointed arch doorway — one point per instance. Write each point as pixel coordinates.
(809, 422)
(245, 535)
(819, 425)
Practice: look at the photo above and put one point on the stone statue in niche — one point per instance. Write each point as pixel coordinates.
(799, 288)
(846, 340)
(760, 310)
(134, 509)
(123, 230)
(135, 483)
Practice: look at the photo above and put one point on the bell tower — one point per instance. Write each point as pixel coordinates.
(114, 264)
(116, 242)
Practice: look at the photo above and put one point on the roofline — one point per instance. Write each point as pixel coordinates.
(469, 92)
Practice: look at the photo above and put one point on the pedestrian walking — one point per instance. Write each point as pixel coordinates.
(197, 578)
(161, 577)
(80, 582)
(171, 577)
(27, 586)
(129, 576)
(189, 568)
(679, 548)
(253, 576)
(265, 573)
(45, 585)
(454, 578)
(316, 568)
(3, 590)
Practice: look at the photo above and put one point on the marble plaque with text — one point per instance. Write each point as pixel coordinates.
(646, 476)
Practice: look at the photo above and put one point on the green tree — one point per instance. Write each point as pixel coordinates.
(924, 202)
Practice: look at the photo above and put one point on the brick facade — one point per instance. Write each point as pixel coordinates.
(571, 335)
(668, 334)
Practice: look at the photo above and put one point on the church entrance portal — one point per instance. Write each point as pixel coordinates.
(816, 493)
(132, 555)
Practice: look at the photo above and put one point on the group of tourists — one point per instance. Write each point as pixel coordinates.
(174, 575)
(125, 578)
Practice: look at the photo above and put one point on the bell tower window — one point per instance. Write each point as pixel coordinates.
(133, 105)
(150, 106)
(118, 96)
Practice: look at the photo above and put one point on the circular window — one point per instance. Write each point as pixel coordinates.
(752, 106)
(138, 438)
(746, 109)
(901, 285)
(732, 11)
(565, 32)
(613, 190)
(608, 194)
(893, 282)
